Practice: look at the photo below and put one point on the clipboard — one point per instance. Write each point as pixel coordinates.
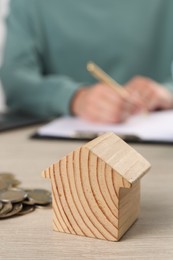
(80, 136)
(155, 128)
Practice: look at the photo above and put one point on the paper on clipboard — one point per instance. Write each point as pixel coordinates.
(155, 126)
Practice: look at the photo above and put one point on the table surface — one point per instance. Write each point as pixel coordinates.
(31, 236)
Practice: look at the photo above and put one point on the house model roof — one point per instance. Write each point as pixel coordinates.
(120, 156)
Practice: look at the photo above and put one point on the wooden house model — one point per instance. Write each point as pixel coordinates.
(96, 188)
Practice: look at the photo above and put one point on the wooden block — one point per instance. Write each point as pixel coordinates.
(96, 188)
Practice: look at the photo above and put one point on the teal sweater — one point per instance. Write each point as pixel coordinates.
(49, 43)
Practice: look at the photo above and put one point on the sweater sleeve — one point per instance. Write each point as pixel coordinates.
(28, 89)
(169, 85)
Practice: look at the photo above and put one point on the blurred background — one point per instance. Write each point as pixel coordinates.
(3, 12)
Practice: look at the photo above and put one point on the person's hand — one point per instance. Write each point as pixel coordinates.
(152, 94)
(100, 103)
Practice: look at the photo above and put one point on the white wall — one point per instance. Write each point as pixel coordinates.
(3, 13)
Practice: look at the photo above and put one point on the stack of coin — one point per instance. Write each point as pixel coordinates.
(15, 201)
(7, 180)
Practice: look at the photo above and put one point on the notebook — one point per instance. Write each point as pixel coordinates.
(155, 127)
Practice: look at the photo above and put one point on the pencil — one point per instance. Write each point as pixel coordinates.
(102, 76)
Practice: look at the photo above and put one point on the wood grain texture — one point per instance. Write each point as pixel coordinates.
(120, 156)
(90, 198)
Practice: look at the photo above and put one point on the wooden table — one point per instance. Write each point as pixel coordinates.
(31, 236)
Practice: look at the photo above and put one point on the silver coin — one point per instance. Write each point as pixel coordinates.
(13, 195)
(7, 180)
(1, 205)
(15, 210)
(39, 196)
(7, 207)
(6, 176)
(26, 209)
(28, 201)
(4, 185)
(45, 206)
(14, 182)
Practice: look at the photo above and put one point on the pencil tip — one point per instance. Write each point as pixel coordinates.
(90, 66)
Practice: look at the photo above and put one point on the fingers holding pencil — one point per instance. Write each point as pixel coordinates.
(103, 77)
(101, 104)
(104, 102)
